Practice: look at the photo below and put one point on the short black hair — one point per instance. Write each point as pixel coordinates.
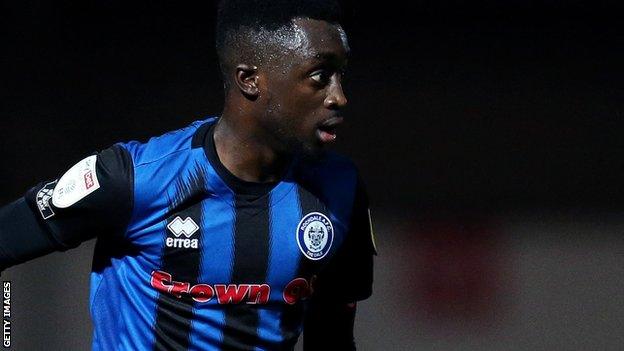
(239, 20)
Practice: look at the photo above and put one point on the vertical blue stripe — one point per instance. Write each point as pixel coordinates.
(283, 259)
(217, 254)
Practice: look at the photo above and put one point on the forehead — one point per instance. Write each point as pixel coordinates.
(315, 40)
(318, 35)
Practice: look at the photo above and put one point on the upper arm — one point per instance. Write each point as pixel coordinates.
(92, 198)
(348, 277)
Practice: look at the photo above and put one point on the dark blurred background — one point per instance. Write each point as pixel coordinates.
(488, 132)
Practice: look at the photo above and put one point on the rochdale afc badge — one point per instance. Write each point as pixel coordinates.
(315, 234)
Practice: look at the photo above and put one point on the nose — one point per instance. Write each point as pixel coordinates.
(336, 98)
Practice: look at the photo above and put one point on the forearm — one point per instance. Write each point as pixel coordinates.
(22, 237)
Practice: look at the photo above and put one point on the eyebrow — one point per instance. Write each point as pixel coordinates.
(327, 56)
(331, 58)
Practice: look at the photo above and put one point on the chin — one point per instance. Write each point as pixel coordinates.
(309, 149)
(313, 152)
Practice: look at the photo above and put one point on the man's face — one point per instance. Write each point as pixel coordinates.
(302, 93)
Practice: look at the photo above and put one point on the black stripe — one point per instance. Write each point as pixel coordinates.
(251, 260)
(292, 315)
(174, 315)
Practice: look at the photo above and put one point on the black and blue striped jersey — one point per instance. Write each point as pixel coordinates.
(188, 257)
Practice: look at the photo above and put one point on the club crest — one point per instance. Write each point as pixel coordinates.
(315, 234)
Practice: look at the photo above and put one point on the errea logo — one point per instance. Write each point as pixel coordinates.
(180, 227)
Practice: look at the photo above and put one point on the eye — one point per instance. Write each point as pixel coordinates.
(321, 76)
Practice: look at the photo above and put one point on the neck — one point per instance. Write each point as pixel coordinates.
(242, 150)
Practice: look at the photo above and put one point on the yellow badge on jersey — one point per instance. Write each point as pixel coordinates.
(372, 232)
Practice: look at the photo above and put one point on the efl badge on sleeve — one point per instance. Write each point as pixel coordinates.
(315, 234)
(80, 181)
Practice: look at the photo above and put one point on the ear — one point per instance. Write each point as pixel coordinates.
(247, 80)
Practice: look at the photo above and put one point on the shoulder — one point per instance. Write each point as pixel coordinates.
(161, 162)
(333, 179)
(162, 147)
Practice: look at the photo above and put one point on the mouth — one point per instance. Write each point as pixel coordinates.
(326, 131)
